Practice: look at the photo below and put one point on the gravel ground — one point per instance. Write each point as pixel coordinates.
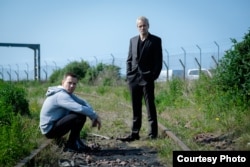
(111, 153)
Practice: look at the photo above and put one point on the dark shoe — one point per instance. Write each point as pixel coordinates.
(129, 138)
(82, 145)
(77, 146)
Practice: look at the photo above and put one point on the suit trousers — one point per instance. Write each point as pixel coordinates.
(137, 93)
(72, 122)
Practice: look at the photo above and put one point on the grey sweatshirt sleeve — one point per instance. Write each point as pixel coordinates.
(75, 104)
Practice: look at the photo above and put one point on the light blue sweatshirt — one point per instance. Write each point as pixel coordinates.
(59, 103)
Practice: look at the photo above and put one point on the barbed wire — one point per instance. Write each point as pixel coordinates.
(191, 56)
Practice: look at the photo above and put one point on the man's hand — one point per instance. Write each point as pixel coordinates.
(97, 123)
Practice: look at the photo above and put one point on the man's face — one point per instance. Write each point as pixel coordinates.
(142, 27)
(69, 84)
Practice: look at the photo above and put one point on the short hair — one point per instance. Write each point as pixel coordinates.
(70, 74)
(142, 18)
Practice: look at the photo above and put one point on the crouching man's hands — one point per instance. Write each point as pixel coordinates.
(97, 123)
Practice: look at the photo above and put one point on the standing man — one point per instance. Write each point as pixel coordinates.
(64, 112)
(144, 64)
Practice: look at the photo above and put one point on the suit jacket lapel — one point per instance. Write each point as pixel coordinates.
(136, 46)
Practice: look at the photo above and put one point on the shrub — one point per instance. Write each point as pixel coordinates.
(56, 76)
(15, 128)
(233, 73)
(107, 75)
(13, 99)
(78, 68)
(15, 139)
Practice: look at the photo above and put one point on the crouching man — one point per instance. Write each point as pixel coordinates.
(64, 112)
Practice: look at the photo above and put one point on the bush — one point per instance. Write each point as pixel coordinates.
(106, 75)
(15, 139)
(78, 68)
(56, 76)
(233, 73)
(13, 99)
(15, 127)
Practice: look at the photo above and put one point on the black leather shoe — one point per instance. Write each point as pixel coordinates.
(129, 138)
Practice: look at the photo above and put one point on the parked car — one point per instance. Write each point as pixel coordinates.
(171, 74)
(163, 75)
(193, 74)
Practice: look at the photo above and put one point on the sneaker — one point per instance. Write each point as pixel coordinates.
(82, 145)
(78, 146)
(129, 138)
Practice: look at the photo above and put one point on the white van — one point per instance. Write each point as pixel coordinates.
(195, 73)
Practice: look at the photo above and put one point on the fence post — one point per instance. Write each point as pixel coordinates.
(184, 65)
(200, 58)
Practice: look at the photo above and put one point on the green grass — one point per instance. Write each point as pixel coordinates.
(187, 109)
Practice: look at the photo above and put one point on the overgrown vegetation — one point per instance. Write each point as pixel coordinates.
(218, 106)
(15, 124)
(102, 74)
(233, 74)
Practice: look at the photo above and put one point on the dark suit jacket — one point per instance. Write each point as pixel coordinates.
(146, 66)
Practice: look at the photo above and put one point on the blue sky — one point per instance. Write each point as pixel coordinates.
(92, 30)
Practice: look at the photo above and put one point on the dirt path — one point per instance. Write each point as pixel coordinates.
(112, 153)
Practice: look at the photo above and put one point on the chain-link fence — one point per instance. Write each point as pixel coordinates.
(177, 63)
